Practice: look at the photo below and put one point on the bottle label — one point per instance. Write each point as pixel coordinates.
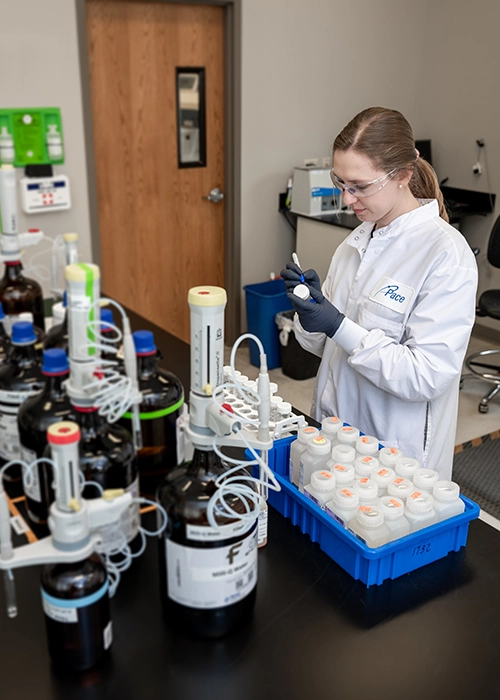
(335, 516)
(301, 474)
(31, 480)
(9, 434)
(211, 578)
(262, 526)
(206, 533)
(312, 498)
(290, 470)
(66, 610)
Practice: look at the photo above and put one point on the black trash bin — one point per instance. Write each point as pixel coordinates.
(296, 362)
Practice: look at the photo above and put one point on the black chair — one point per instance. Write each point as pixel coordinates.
(483, 363)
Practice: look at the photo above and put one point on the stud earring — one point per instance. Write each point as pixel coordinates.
(400, 187)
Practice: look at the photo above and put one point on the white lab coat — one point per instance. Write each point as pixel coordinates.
(413, 287)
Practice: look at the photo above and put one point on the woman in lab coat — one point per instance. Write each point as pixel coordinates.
(393, 318)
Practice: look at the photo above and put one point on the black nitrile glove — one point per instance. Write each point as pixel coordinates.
(319, 317)
(291, 275)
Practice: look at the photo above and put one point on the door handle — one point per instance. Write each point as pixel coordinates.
(215, 195)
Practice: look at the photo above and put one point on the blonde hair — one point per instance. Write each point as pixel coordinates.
(386, 137)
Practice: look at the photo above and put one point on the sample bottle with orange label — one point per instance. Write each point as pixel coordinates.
(364, 466)
(321, 488)
(420, 511)
(330, 427)
(344, 473)
(388, 456)
(314, 458)
(297, 447)
(400, 487)
(425, 479)
(369, 526)
(366, 445)
(393, 510)
(344, 453)
(383, 477)
(406, 467)
(447, 501)
(367, 491)
(347, 435)
(343, 505)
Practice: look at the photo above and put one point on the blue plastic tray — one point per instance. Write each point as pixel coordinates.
(366, 564)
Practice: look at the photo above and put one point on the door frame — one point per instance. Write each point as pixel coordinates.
(232, 150)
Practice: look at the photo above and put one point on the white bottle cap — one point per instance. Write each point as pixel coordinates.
(242, 378)
(366, 489)
(425, 478)
(331, 425)
(273, 387)
(348, 435)
(250, 384)
(319, 445)
(306, 433)
(322, 481)
(285, 407)
(400, 487)
(383, 476)
(302, 291)
(445, 491)
(276, 400)
(392, 507)
(343, 453)
(388, 456)
(345, 498)
(420, 502)
(370, 516)
(406, 466)
(344, 473)
(367, 445)
(365, 466)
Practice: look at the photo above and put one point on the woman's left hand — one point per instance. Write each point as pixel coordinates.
(319, 317)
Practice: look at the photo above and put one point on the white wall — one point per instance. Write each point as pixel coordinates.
(308, 68)
(460, 102)
(39, 67)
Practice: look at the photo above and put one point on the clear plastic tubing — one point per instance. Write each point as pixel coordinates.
(367, 445)
(406, 467)
(447, 501)
(424, 479)
(296, 448)
(321, 488)
(400, 487)
(420, 511)
(364, 466)
(343, 453)
(343, 505)
(369, 526)
(383, 477)
(315, 457)
(393, 509)
(367, 491)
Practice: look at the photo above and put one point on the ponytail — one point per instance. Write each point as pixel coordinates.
(424, 185)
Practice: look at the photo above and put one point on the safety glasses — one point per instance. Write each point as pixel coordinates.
(366, 189)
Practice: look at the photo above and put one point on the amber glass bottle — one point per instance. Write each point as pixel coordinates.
(160, 408)
(19, 293)
(76, 604)
(207, 579)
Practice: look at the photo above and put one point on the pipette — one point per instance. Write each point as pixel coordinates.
(302, 290)
(295, 259)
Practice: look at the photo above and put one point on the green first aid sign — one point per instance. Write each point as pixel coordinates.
(31, 136)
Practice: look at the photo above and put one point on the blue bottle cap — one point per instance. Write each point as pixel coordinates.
(65, 299)
(2, 315)
(144, 342)
(107, 316)
(55, 361)
(23, 333)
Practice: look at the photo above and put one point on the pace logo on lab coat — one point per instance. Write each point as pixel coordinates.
(392, 294)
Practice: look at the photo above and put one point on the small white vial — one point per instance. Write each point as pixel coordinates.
(315, 457)
(296, 448)
(388, 456)
(347, 435)
(383, 477)
(273, 388)
(321, 488)
(302, 291)
(343, 505)
(273, 413)
(420, 511)
(284, 410)
(367, 491)
(364, 466)
(344, 473)
(366, 445)
(406, 467)
(343, 453)
(369, 526)
(329, 428)
(424, 479)
(401, 488)
(394, 515)
(447, 501)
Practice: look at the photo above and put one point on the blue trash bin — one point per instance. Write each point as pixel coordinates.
(264, 301)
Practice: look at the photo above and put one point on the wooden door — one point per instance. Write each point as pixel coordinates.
(158, 236)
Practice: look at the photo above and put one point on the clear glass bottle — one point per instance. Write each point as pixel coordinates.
(19, 293)
(195, 600)
(36, 414)
(160, 409)
(20, 378)
(76, 605)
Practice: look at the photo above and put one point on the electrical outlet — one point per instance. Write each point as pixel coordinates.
(308, 162)
(327, 161)
(477, 169)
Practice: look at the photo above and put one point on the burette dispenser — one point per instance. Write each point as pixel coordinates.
(11, 241)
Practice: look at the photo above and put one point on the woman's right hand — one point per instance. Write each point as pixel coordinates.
(291, 275)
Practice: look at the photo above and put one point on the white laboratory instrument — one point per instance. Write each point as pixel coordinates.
(11, 241)
(313, 193)
(45, 194)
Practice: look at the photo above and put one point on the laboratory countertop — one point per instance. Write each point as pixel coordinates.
(315, 632)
